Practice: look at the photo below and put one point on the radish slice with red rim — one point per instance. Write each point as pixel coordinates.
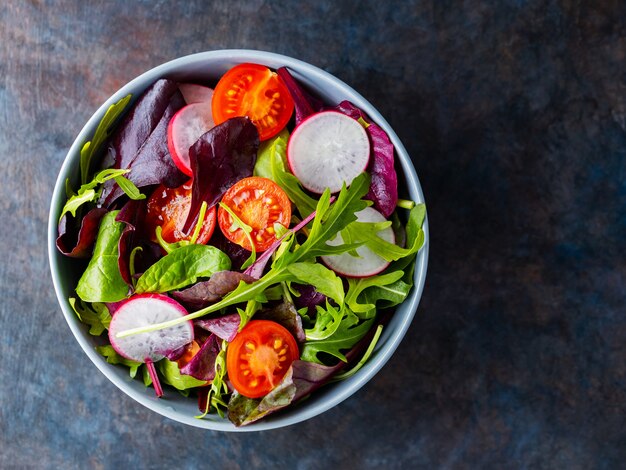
(185, 128)
(144, 310)
(326, 150)
(193, 93)
(367, 263)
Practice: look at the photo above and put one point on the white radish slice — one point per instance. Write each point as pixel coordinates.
(193, 93)
(185, 128)
(326, 150)
(368, 263)
(145, 310)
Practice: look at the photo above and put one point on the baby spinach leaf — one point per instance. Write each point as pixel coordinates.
(95, 315)
(268, 149)
(182, 267)
(113, 357)
(349, 332)
(102, 281)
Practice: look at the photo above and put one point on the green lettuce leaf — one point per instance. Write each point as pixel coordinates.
(95, 315)
(171, 375)
(113, 357)
(272, 164)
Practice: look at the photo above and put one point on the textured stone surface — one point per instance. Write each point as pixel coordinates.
(515, 115)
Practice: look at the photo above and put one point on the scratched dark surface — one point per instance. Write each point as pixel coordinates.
(515, 115)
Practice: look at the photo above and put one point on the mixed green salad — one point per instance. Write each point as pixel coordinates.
(242, 244)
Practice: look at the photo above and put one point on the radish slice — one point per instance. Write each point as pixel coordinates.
(326, 150)
(143, 310)
(193, 93)
(368, 263)
(185, 128)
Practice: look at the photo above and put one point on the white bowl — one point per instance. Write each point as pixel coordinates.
(209, 66)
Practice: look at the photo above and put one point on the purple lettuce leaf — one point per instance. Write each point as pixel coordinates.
(286, 315)
(141, 121)
(77, 241)
(129, 215)
(203, 294)
(304, 103)
(384, 185)
(202, 365)
(219, 158)
(150, 253)
(225, 327)
(174, 354)
(309, 297)
(152, 163)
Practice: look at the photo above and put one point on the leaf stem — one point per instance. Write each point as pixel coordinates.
(405, 204)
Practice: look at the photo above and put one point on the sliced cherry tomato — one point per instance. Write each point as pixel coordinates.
(255, 91)
(259, 357)
(190, 351)
(259, 203)
(168, 208)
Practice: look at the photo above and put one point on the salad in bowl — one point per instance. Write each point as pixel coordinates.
(238, 240)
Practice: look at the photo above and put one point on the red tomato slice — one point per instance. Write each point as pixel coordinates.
(255, 91)
(168, 208)
(259, 357)
(259, 203)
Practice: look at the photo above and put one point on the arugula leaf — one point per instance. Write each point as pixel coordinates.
(113, 357)
(95, 315)
(102, 133)
(102, 281)
(88, 193)
(385, 296)
(349, 332)
(356, 286)
(327, 322)
(247, 230)
(129, 188)
(182, 267)
(327, 222)
(367, 232)
(324, 280)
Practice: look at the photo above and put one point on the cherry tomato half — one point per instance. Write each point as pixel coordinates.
(168, 208)
(259, 203)
(259, 357)
(255, 91)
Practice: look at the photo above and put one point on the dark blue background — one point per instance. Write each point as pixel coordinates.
(514, 113)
